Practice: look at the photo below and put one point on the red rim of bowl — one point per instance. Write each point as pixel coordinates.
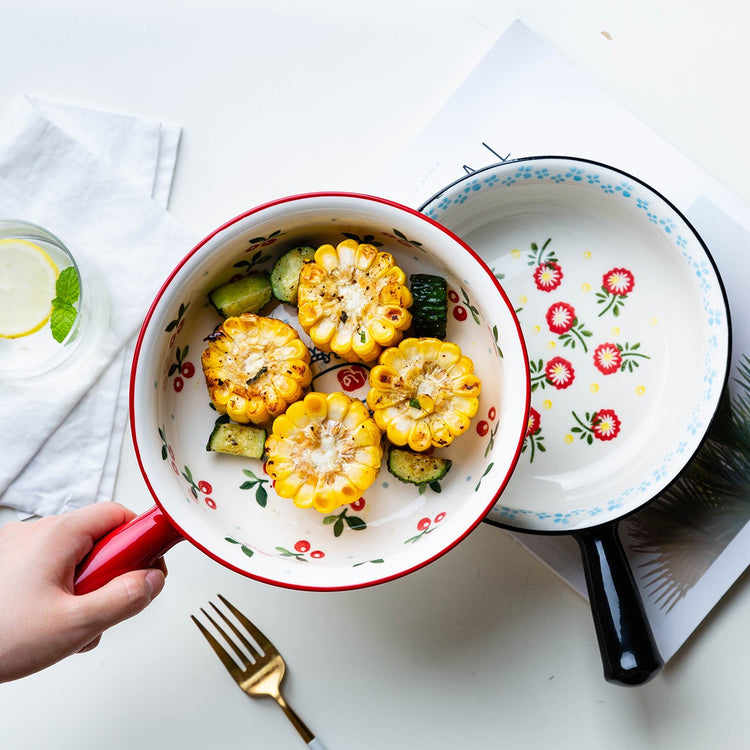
(139, 346)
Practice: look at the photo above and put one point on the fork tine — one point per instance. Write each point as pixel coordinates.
(245, 642)
(238, 652)
(221, 652)
(261, 639)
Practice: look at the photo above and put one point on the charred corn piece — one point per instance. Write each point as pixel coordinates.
(255, 367)
(423, 393)
(353, 300)
(324, 451)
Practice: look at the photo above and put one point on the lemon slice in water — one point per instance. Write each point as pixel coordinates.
(27, 287)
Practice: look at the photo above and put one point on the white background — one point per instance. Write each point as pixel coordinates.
(485, 648)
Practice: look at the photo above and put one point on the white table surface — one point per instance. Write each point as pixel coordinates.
(486, 647)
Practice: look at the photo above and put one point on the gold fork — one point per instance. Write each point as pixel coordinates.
(263, 667)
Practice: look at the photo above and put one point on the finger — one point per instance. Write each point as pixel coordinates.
(84, 526)
(117, 600)
(161, 565)
(99, 518)
(90, 645)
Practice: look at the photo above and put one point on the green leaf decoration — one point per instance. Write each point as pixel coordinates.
(355, 523)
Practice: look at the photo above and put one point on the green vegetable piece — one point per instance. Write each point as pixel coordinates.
(430, 307)
(246, 295)
(285, 273)
(416, 468)
(237, 440)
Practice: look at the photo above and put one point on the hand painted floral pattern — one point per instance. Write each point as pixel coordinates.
(607, 358)
(302, 551)
(548, 276)
(610, 358)
(541, 254)
(562, 320)
(534, 440)
(181, 368)
(601, 425)
(425, 525)
(560, 373)
(343, 520)
(617, 284)
(605, 425)
(352, 378)
(560, 317)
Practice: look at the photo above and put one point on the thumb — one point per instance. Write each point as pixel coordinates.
(120, 598)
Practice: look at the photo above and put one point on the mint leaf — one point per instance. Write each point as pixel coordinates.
(68, 286)
(62, 319)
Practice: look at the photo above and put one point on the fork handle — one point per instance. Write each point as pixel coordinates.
(299, 725)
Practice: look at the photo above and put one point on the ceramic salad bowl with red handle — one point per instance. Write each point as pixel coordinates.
(226, 505)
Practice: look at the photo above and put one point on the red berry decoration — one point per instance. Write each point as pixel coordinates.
(459, 313)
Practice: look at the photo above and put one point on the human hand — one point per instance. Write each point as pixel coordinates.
(41, 620)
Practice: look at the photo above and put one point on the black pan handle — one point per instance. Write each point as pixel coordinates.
(629, 652)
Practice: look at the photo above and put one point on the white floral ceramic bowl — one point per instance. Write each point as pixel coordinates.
(626, 323)
(226, 505)
(627, 326)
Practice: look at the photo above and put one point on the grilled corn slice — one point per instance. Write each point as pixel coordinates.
(255, 367)
(423, 393)
(324, 451)
(352, 300)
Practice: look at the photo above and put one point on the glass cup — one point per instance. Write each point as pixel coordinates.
(38, 336)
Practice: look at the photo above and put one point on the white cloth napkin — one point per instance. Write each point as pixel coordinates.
(100, 181)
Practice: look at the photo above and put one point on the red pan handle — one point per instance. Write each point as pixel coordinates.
(137, 544)
(629, 652)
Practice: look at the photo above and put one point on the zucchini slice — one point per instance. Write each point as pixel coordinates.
(237, 439)
(285, 273)
(246, 295)
(416, 468)
(430, 307)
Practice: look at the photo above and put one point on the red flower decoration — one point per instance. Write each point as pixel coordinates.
(618, 281)
(607, 358)
(533, 425)
(560, 317)
(548, 276)
(560, 372)
(605, 425)
(352, 378)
